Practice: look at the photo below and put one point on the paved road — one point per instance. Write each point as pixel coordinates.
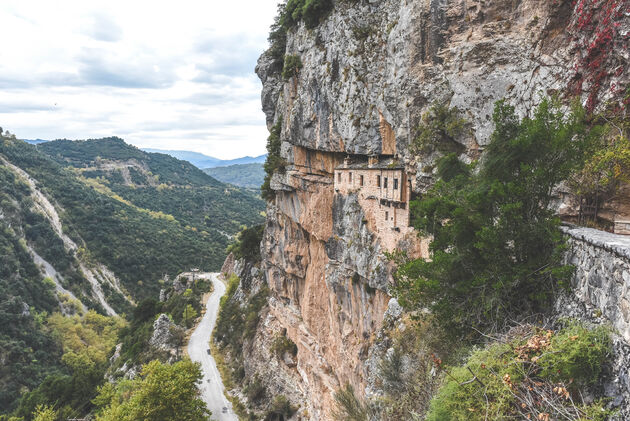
(212, 386)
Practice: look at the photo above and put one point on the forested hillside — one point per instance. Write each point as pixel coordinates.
(95, 228)
(161, 183)
(244, 175)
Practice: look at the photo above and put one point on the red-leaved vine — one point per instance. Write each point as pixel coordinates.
(595, 30)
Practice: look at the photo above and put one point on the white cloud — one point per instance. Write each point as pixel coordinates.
(176, 75)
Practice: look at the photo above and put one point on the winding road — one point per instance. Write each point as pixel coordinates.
(212, 389)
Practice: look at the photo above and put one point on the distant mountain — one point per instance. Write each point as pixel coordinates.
(204, 161)
(244, 175)
(35, 141)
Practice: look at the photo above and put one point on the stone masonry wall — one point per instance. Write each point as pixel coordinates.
(602, 277)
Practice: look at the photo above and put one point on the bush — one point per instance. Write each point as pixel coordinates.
(440, 129)
(282, 344)
(247, 244)
(496, 246)
(292, 66)
(349, 407)
(513, 380)
(255, 390)
(280, 409)
(274, 162)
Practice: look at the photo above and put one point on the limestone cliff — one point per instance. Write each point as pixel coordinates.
(369, 71)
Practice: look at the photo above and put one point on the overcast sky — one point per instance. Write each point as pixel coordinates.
(159, 74)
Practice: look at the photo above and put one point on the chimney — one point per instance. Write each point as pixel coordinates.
(372, 160)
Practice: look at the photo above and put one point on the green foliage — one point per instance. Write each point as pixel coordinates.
(440, 129)
(254, 390)
(282, 344)
(87, 342)
(162, 393)
(349, 407)
(406, 373)
(513, 380)
(496, 248)
(312, 12)
(292, 66)
(78, 153)
(130, 234)
(29, 352)
(280, 409)
(274, 162)
(237, 324)
(576, 353)
(243, 175)
(604, 172)
(189, 315)
(247, 244)
(135, 338)
(45, 413)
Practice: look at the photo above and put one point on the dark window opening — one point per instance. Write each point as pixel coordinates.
(339, 177)
(360, 180)
(350, 177)
(385, 182)
(378, 181)
(395, 184)
(386, 216)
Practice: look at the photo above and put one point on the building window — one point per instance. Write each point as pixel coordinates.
(378, 181)
(386, 215)
(349, 177)
(339, 177)
(360, 180)
(395, 184)
(385, 182)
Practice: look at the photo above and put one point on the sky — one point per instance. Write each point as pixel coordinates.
(159, 74)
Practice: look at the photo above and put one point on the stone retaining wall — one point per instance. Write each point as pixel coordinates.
(602, 277)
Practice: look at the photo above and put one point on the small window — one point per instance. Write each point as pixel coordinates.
(339, 177)
(378, 181)
(386, 214)
(385, 182)
(395, 184)
(349, 177)
(360, 180)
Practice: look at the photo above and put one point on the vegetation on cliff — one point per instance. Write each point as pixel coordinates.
(496, 248)
(538, 374)
(275, 162)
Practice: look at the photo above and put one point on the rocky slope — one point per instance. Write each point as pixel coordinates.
(370, 70)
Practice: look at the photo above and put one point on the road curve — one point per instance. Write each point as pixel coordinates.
(212, 389)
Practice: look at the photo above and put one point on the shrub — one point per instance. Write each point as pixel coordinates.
(510, 380)
(254, 390)
(274, 162)
(247, 245)
(292, 66)
(496, 247)
(282, 344)
(280, 409)
(439, 129)
(349, 407)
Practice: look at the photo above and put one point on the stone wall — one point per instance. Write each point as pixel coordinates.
(602, 276)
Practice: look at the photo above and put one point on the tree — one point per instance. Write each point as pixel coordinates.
(162, 393)
(496, 248)
(44, 413)
(189, 315)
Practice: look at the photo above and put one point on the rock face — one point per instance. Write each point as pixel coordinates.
(165, 337)
(370, 71)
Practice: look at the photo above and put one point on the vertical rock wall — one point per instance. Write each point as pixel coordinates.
(370, 71)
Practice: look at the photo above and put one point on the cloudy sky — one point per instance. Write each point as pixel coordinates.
(160, 74)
